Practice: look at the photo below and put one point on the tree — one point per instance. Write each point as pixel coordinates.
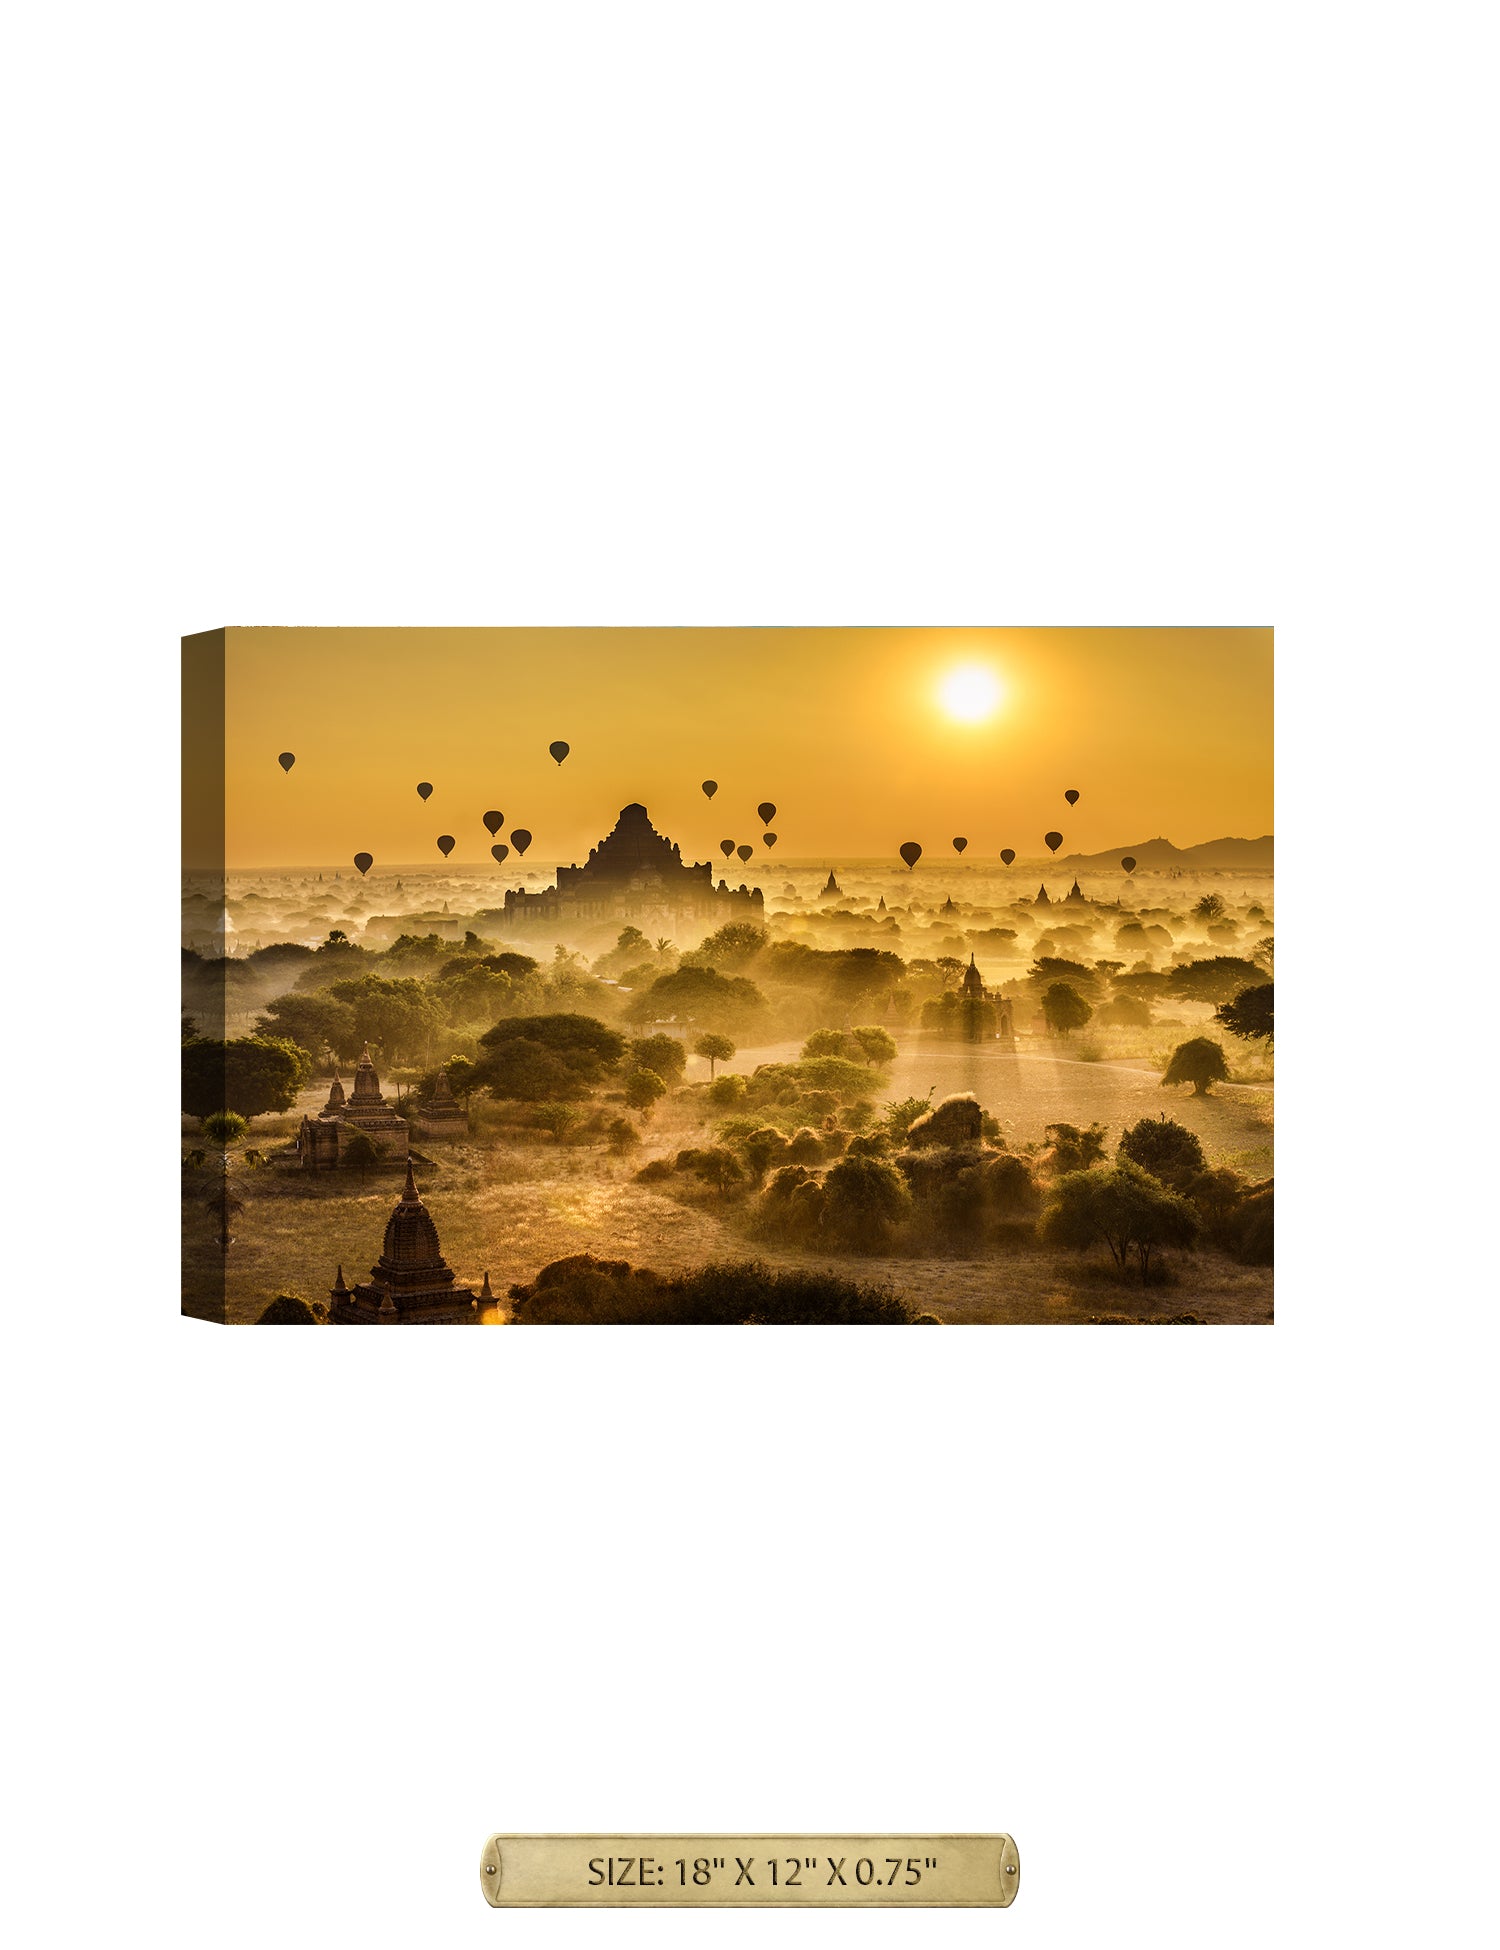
(1210, 908)
(398, 1015)
(537, 1059)
(1216, 979)
(666, 1055)
(251, 1075)
(1065, 1009)
(700, 996)
(315, 1020)
(825, 1042)
(1123, 1207)
(876, 1045)
(734, 945)
(224, 1126)
(716, 1049)
(1165, 1148)
(1200, 1062)
(643, 1089)
(1250, 1015)
(1127, 1012)
(360, 1151)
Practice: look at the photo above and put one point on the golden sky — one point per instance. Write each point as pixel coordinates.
(1162, 732)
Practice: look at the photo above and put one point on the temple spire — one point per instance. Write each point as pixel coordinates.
(411, 1183)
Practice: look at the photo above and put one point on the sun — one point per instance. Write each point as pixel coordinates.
(970, 693)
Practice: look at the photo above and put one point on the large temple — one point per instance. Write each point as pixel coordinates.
(634, 874)
(411, 1283)
(323, 1141)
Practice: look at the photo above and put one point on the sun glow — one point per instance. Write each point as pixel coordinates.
(970, 693)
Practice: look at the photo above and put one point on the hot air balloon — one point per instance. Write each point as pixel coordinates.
(424, 790)
(1054, 841)
(766, 812)
(493, 821)
(558, 750)
(769, 838)
(1128, 863)
(959, 845)
(744, 851)
(1007, 854)
(710, 787)
(1071, 796)
(520, 839)
(286, 760)
(726, 847)
(364, 861)
(500, 852)
(910, 853)
(446, 844)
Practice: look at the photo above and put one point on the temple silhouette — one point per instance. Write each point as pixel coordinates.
(323, 1141)
(411, 1283)
(634, 874)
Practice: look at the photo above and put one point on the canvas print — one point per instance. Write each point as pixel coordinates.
(727, 976)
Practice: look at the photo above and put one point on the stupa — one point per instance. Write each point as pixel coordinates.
(411, 1284)
(322, 1141)
(443, 1115)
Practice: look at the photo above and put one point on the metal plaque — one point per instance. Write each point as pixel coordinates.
(772, 1871)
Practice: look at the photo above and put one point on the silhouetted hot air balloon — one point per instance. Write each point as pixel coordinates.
(558, 750)
(1128, 863)
(959, 845)
(364, 861)
(493, 821)
(520, 839)
(500, 852)
(446, 843)
(726, 847)
(766, 812)
(424, 790)
(710, 787)
(744, 851)
(286, 760)
(910, 853)
(1007, 854)
(769, 838)
(1054, 841)
(1071, 796)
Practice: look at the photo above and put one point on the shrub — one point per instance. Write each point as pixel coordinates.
(727, 1090)
(622, 1134)
(899, 1117)
(1126, 1012)
(863, 1198)
(655, 1172)
(1200, 1062)
(1165, 1148)
(1072, 1149)
(586, 1291)
(805, 1147)
(1254, 1237)
(224, 1127)
(286, 1310)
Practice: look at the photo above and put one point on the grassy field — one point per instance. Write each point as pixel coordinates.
(511, 1209)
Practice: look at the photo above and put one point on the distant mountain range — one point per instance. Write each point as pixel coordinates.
(1157, 854)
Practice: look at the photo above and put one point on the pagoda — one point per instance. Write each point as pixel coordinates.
(831, 889)
(322, 1141)
(411, 1284)
(443, 1115)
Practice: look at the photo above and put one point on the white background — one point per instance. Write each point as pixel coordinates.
(644, 313)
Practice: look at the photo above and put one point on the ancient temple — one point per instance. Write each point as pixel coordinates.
(323, 1141)
(443, 1115)
(411, 1284)
(831, 887)
(1076, 893)
(634, 874)
(1041, 897)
